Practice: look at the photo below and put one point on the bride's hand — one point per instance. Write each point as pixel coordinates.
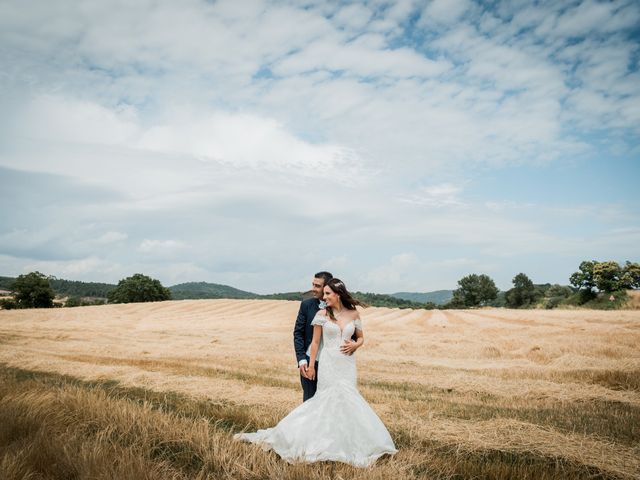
(311, 373)
(348, 347)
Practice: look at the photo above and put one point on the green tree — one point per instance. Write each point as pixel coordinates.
(474, 290)
(139, 288)
(607, 276)
(523, 292)
(630, 275)
(32, 291)
(583, 280)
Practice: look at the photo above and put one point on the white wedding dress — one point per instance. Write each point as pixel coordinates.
(336, 423)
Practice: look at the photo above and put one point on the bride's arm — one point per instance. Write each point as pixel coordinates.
(315, 343)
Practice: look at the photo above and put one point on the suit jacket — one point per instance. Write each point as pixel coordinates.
(303, 330)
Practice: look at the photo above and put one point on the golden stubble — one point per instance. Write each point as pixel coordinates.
(533, 382)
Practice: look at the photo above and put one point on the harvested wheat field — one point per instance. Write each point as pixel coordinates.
(157, 390)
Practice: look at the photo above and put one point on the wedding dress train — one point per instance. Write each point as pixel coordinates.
(335, 424)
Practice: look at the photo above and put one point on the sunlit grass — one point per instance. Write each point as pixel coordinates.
(60, 427)
(157, 391)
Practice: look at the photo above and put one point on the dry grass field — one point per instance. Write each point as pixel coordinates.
(155, 391)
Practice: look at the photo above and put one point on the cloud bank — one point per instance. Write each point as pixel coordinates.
(403, 144)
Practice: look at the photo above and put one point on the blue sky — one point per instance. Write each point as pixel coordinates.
(401, 145)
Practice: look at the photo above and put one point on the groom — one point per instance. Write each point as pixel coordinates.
(303, 332)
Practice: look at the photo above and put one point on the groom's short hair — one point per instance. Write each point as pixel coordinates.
(326, 276)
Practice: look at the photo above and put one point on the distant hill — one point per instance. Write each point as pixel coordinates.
(205, 290)
(371, 299)
(439, 297)
(191, 290)
(383, 300)
(201, 290)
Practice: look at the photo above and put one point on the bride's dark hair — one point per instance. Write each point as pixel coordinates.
(338, 286)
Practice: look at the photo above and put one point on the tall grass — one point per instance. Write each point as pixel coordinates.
(60, 427)
(158, 390)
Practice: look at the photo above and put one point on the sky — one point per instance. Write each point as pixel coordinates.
(400, 145)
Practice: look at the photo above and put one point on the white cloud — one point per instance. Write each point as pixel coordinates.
(192, 150)
(599, 16)
(264, 132)
(444, 11)
(411, 272)
(389, 276)
(160, 246)
(358, 58)
(353, 16)
(336, 263)
(69, 120)
(81, 269)
(245, 140)
(399, 10)
(441, 195)
(111, 237)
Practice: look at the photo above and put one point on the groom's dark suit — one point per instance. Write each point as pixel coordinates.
(302, 336)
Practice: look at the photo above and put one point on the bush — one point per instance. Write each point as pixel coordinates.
(574, 300)
(83, 302)
(598, 301)
(556, 290)
(585, 296)
(8, 304)
(556, 295)
(608, 301)
(552, 302)
(73, 302)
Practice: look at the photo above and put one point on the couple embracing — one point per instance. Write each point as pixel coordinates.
(334, 422)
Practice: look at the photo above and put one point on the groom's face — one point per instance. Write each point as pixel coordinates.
(317, 284)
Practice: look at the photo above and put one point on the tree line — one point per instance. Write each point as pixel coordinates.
(34, 290)
(596, 284)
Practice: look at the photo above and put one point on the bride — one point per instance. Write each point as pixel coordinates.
(336, 423)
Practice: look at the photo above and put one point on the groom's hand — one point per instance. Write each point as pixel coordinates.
(348, 347)
(311, 373)
(303, 370)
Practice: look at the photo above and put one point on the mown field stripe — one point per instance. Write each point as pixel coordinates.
(419, 458)
(617, 421)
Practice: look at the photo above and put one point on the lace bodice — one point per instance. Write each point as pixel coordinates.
(332, 335)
